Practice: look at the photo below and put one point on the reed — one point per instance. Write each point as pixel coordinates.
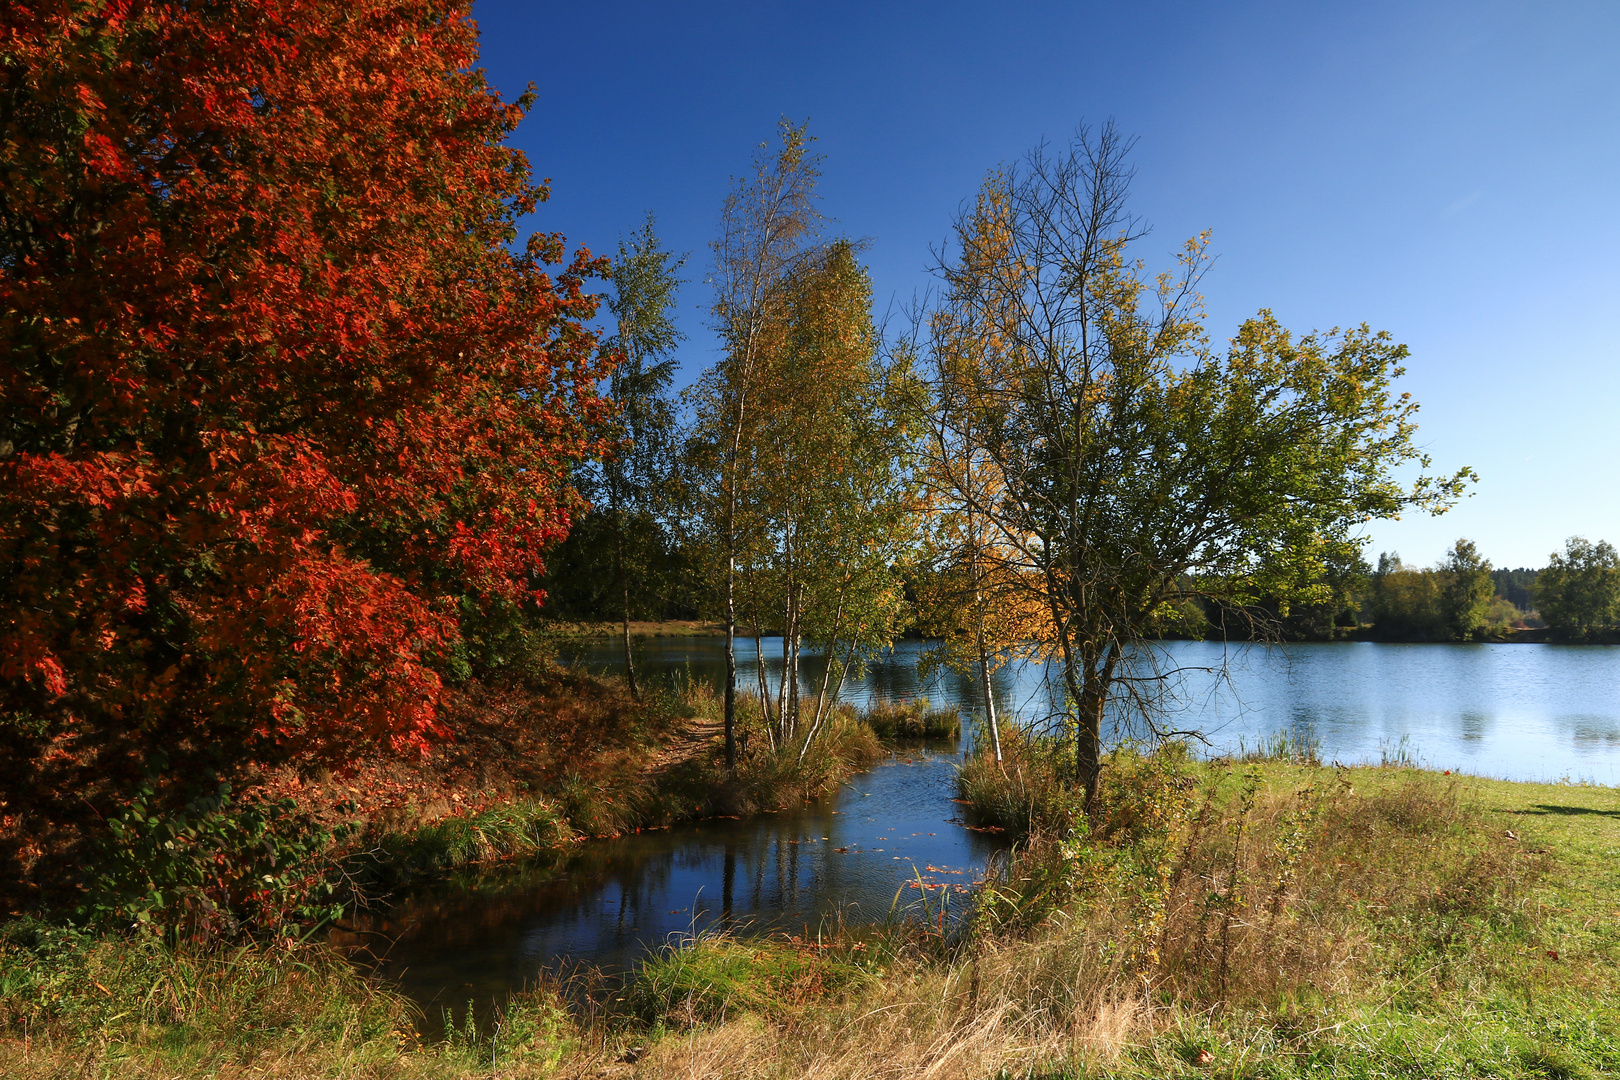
(1024, 792)
(912, 720)
(1262, 918)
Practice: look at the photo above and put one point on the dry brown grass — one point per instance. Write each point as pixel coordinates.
(1015, 1008)
(1210, 916)
(1201, 892)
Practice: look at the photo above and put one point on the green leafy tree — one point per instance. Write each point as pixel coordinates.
(1578, 594)
(970, 596)
(1466, 590)
(1404, 601)
(769, 225)
(812, 533)
(1142, 468)
(832, 499)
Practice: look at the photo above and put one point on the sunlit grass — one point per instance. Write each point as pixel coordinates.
(1264, 918)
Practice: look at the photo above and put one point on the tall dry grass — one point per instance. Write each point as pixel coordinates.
(1196, 896)
(1203, 917)
(914, 719)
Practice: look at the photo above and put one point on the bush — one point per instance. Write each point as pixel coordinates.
(213, 867)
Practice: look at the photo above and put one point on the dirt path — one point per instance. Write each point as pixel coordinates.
(693, 739)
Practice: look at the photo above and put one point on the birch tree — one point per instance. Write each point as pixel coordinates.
(768, 224)
(834, 498)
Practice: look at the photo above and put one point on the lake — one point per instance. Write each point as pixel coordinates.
(1516, 712)
(1521, 712)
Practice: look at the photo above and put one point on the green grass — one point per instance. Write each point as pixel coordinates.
(1371, 922)
(705, 979)
(523, 827)
(1307, 921)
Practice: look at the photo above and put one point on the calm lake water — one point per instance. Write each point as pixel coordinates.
(1523, 712)
(1518, 712)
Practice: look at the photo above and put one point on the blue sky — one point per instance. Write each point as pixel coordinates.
(1446, 172)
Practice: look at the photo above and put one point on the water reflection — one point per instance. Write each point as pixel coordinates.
(609, 902)
(1529, 712)
(1521, 712)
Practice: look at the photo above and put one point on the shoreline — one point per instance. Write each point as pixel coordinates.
(697, 628)
(1498, 893)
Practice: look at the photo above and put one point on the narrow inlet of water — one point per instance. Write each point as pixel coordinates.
(1521, 712)
(889, 837)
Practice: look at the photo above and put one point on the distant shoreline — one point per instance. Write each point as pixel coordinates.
(597, 631)
(644, 628)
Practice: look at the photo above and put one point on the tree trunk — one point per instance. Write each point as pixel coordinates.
(1088, 741)
(978, 612)
(822, 704)
(989, 694)
(759, 662)
(793, 690)
(629, 660)
(843, 673)
(731, 659)
(782, 716)
(764, 684)
(624, 591)
(1091, 704)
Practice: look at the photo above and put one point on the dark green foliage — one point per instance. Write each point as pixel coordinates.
(212, 867)
(582, 586)
(1465, 590)
(1333, 611)
(623, 560)
(1579, 591)
(1452, 602)
(1403, 602)
(1515, 586)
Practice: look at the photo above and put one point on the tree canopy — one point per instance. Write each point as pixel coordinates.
(281, 404)
(1138, 467)
(1579, 591)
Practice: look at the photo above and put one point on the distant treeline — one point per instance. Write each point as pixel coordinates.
(1516, 586)
(1576, 597)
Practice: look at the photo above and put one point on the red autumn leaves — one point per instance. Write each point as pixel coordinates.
(280, 403)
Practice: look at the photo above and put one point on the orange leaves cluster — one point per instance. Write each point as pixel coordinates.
(279, 397)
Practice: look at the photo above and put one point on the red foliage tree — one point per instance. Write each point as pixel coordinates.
(278, 400)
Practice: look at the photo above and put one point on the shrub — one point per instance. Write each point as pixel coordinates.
(212, 867)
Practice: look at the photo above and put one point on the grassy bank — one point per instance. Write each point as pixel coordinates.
(77, 1002)
(511, 788)
(1261, 918)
